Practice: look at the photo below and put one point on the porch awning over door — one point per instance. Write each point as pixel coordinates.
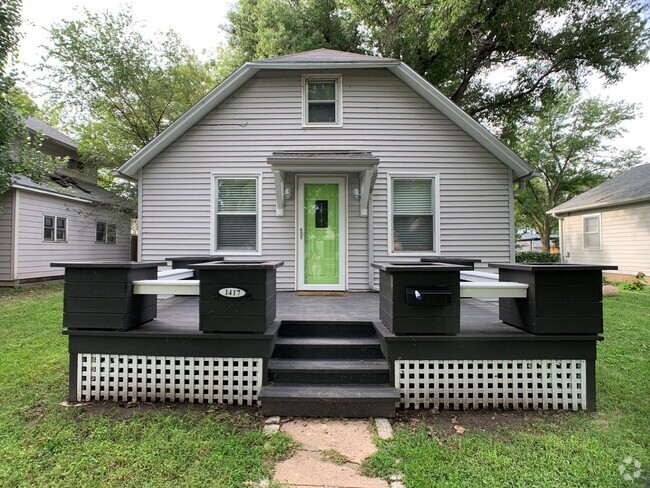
(332, 162)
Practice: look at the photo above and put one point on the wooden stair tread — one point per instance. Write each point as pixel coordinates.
(305, 392)
(327, 365)
(327, 341)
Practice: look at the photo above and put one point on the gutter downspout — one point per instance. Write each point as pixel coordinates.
(521, 181)
(371, 251)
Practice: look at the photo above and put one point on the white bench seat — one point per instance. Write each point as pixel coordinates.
(175, 274)
(166, 287)
(493, 289)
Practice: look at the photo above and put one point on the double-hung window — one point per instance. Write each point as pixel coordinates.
(54, 228)
(106, 233)
(413, 216)
(591, 232)
(237, 222)
(322, 100)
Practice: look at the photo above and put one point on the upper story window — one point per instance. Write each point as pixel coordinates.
(591, 232)
(54, 228)
(413, 214)
(322, 100)
(106, 233)
(75, 165)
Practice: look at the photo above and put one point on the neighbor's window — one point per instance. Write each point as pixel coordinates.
(236, 214)
(106, 233)
(322, 100)
(413, 216)
(54, 228)
(591, 232)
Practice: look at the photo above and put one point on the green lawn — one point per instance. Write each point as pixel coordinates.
(43, 443)
(566, 449)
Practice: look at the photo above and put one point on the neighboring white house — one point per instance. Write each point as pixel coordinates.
(327, 161)
(68, 218)
(609, 224)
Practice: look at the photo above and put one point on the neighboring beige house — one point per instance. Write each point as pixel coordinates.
(328, 161)
(609, 224)
(68, 218)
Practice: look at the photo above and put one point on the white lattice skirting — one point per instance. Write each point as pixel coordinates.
(544, 384)
(168, 378)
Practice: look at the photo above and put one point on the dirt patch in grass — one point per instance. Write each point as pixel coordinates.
(447, 423)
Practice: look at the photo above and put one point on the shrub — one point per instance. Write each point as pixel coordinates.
(637, 284)
(536, 257)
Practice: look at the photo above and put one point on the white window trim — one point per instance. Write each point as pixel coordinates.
(213, 213)
(600, 232)
(55, 217)
(436, 212)
(339, 99)
(106, 223)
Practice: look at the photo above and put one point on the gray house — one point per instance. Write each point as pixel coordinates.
(328, 161)
(609, 224)
(68, 217)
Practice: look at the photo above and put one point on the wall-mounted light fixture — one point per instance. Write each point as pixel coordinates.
(288, 193)
(356, 193)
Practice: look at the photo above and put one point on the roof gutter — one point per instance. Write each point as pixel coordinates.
(521, 181)
(555, 213)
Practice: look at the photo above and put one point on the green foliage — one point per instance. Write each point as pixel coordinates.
(567, 141)
(117, 88)
(536, 257)
(463, 47)
(554, 450)
(19, 154)
(638, 283)
(45, 444)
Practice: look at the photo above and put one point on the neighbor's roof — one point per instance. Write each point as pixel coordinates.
(327, 59)
(629, 187)
(37, 125)
(68, 187)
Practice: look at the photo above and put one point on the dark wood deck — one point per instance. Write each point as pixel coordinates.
(180, 315)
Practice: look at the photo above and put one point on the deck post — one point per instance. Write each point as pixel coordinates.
(562, 298)
(99, 295)
(420, 298)
(237, 297)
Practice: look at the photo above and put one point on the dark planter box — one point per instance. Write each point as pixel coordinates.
(182, 262)
(452, 260)
(99, 295)
(420, 298)
(562, 298)
(220, 311)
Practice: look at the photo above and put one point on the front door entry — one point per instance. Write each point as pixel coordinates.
(321, 233)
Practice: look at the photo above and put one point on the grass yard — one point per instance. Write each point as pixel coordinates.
(43, 443)
(543, 450)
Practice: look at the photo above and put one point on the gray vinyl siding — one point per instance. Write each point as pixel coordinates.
(6, 235)
(381, 115)
(35, 255)
(625, 238)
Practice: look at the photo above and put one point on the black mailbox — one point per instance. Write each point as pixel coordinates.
(428, 296)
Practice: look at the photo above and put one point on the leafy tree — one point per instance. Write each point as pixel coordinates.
(568, 143)
(119, 89)
(462, 47)
(19, 154)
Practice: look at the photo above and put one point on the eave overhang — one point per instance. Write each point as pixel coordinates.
(363, 163)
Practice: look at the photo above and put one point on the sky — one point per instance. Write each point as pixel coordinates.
(197, 22)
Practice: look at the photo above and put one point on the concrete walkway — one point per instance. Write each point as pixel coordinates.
(330, 455)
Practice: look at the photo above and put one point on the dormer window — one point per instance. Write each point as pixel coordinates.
(322, 100)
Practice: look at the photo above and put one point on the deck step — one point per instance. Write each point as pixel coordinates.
(327, 348)
(308, 400)
(326, 329)
(328, 371)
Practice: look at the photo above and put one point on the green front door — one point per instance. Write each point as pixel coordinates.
(322, 233)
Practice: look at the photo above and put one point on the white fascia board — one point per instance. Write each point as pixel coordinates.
(448, 108)
(328, 66)
(188, 119)
(51, 193)
(594, 206)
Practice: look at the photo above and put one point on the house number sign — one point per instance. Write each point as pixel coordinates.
(231, 292)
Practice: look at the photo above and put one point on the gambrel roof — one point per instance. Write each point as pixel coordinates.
(328, 59)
